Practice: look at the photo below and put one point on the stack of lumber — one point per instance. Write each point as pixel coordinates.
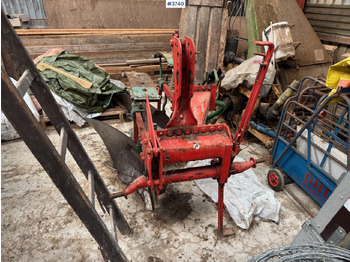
(115, 50)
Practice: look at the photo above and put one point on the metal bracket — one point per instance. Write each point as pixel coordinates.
(337, 236)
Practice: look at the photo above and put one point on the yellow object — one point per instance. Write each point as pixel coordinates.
(82, 82)
(338, 72)
(338, 75)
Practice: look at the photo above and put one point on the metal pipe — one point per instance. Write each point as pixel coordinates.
(218, 112)
(263, 129)
(184, 175)
(300, 202)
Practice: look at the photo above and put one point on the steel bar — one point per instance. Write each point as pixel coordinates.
(317, 132)
(337, 143)
(300, 202)
(314, 115)
(221, 208)
(17, 60)
(339, 146)
(42, 148)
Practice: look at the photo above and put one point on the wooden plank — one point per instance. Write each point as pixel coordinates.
(222, 44)
(331, 31)
(90, 31)
(24, 82)
(94, 35)
(328, 11)
(110, 14)
(122, 69)
(82, 82)
(38, 40)
(325, 6)
(135, 62)
(207, 3)
(341, 51)
(103, 48)
(330, 24)
(212, 3)
(325, 17)
(192, 22)
(214, 34)
(334, 38)
(201, 42)
(62, 146)
(188, 23)
(91, 188)
(114, 111)
(184, 21)
(112, 56)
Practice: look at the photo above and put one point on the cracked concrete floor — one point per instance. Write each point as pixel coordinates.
(38, 225)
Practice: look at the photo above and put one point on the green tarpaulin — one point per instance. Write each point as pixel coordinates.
(93, 99)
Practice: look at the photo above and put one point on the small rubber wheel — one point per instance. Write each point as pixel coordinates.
(275, 180)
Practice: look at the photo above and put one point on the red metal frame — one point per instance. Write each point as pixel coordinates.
(186, 137)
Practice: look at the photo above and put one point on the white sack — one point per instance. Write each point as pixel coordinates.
(244, 197)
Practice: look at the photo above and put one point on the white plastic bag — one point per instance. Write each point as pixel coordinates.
(246, 72)
(244, 197)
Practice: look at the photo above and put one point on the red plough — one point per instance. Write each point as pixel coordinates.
(186, 136)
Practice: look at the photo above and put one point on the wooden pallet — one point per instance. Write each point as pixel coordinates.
(115, 114)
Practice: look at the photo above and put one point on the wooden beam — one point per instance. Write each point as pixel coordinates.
(21, 32)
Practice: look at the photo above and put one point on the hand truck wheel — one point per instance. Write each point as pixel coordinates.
(275, 180)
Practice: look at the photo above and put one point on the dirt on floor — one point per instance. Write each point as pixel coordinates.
(38, 225)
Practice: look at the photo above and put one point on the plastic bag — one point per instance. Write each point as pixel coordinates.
(244, 197)
(246, 73)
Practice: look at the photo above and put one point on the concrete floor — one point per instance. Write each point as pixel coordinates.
(38, 225)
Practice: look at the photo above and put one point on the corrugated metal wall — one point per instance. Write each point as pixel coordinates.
(33, 8)
(330, 19)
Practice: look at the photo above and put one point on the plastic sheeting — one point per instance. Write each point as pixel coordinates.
(73, 113)
(246, 73)
(8, 132)
(244, 197)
